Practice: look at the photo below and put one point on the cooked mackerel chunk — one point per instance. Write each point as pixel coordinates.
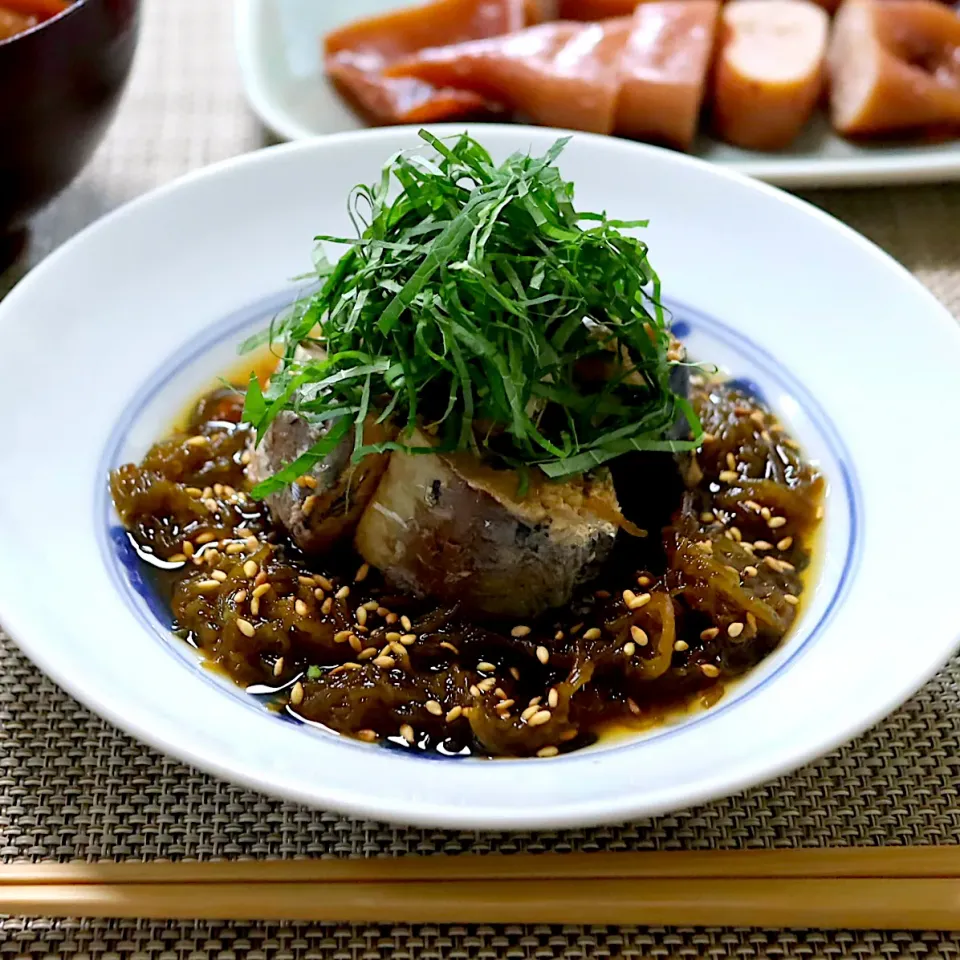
(324, 505)
(454, 528)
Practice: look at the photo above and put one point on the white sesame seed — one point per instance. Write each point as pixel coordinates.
(775, 522)
(219, 575)
(639, 601)
(539, 718)
(791, 599)
(362, 573)
(434, 708)
(710, 633)
(520, 631)
(406, 731)
(629, 648)
(681, 645)
(385, 662)
(487, 685)
(709, 670)
(362, 616)
(543, 654)
(278, 667)
(368, 736)
(261, 590)
(785, 544)
(405, 622)
(727, 476)
(296, 694)
(250, 568)
(592, 634)
(246, 627)
(639, 636)
(750, 571)
(342, 593)
(454, 713)
(762, 545)
(553, 698)
(484, 667)
(308, 504)
(735, 629)
(547, 752)
(529, 712)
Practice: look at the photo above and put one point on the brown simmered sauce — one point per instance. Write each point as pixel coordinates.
(672, 619)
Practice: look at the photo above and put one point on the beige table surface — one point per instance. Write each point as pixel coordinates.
(73, 786)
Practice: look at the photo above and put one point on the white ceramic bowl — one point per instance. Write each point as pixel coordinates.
(105, 341)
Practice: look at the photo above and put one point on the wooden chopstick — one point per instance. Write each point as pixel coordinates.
(881, 888)
(847, 903)
(831, 862)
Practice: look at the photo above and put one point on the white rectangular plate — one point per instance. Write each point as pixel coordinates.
(278, 47)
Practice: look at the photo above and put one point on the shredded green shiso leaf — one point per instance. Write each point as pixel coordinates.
(468, 305)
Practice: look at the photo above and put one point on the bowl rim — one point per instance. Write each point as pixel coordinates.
(43, 24)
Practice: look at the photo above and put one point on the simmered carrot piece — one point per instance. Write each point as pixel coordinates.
(894, 67)
(13, 23)
(356, 55)
(769, 72)
(36, 8)
(664, 69)
(558, 74)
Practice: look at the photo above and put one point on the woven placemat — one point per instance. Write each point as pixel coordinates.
(72, 786)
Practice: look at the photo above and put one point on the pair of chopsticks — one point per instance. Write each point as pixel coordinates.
(876, 888)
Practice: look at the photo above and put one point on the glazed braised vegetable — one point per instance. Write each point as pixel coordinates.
(16, 16)
(668, 622)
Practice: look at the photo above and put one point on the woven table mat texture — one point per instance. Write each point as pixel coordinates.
(72, 786)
